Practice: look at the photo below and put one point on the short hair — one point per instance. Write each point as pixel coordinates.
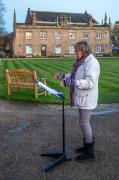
(84, 47)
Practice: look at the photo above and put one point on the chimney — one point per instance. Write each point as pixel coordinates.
(34, 18)
(90, 20)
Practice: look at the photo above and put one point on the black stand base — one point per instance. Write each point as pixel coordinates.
(60, 158)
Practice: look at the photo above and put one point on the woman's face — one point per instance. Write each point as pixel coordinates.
(79, 54)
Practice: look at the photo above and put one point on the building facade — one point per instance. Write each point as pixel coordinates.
(48, 34)
(115, 34)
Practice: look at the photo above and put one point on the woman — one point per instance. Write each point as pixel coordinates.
(83, 84)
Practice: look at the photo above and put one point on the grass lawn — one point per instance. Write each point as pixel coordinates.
(108, 83)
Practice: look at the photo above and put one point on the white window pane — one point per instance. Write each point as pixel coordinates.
(99, 48)
(28, 35)
(98, 36)
(28, 49)
(85, 36)
(58, 49)
(43, 35)
(57, 35)
(71, 49)
(71, 35)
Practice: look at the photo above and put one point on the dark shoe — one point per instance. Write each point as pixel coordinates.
(81, 149)
(85, 157)
(88, 154)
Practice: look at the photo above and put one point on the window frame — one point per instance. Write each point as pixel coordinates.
(28, 35)
(71, 49)
(99, 48)
(30, 50)
(99, 36)
(58, 49)
(72, 35)
(43, 35)
(57, 35)
(85, 35)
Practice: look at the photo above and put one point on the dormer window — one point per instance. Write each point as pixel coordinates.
(64, 20)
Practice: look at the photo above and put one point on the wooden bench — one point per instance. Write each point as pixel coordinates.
(20, 78)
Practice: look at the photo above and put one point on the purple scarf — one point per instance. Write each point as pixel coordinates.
(72, 77)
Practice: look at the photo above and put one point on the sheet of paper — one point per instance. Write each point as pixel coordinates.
(49, 90)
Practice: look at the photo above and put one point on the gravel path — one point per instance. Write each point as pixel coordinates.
(27, 130)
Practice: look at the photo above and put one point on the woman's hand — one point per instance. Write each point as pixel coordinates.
(59, 76)
(61, 84)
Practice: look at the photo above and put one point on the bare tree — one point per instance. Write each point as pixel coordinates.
(2, 22)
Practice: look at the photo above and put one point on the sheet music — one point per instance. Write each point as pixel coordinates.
(49, 90)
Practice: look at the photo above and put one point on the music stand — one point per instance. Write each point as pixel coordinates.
(60, 157)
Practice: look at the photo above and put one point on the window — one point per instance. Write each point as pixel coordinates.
(71, 49)
(28, 35)
(43, 35)
(72, 35)
(98, 36)
(57, 35)
(85, 36)
(28, 49)
(99, 48)
(58, 49)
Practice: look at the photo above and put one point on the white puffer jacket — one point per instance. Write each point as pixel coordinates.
(86, 90)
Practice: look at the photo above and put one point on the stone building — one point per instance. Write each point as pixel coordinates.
(49, 34)
(115, 34)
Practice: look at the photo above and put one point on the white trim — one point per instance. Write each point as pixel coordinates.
(69, 22)
(46, 22)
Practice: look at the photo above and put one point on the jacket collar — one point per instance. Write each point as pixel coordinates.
(88, 57)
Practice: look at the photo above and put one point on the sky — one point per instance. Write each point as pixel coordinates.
(97, 8)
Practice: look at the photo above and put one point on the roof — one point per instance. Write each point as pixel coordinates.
(46, 16)
(52, 16)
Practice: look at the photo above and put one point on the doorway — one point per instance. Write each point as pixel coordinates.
(43, 50)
